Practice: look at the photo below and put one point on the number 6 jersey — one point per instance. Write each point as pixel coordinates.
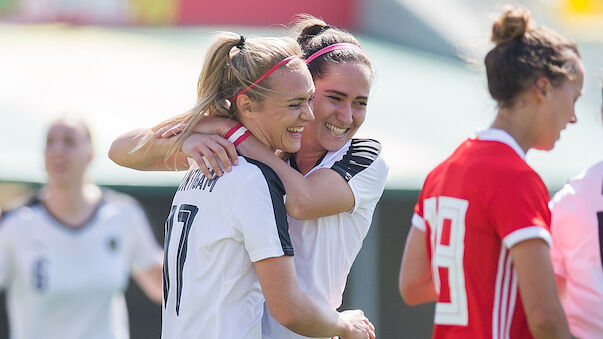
(67, 282)
(474, 207)
(215, 231)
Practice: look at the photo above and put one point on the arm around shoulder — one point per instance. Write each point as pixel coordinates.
(140, 149)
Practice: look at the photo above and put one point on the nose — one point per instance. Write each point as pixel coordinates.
(573, 118)
(307, 115)
(344, 115)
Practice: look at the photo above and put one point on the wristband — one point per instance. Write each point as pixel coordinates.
(237, 134)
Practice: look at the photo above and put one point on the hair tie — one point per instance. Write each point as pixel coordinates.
(241, 43)
(334, 47)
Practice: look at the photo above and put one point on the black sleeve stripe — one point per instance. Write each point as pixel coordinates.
(361, 154)
(277, 192)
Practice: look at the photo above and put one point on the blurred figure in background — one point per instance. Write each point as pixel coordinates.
(479, 241)
(577, 251)
(67, 254)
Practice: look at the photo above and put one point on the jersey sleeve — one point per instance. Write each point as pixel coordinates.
(146, 252)
(519, 210)
(364, 170)
(368, 185)
(259, 214)
(418, 218)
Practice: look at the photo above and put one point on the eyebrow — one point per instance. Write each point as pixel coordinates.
(343, 94)
(302, 98)
(299, 99)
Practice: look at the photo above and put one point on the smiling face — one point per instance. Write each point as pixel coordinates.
(339, 106)
(559, 110)
(68, 152)
(279, 119)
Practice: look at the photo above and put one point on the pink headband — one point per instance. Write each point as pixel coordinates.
(342, 45)
(282, 62)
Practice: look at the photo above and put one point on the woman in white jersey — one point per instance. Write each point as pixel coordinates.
(242, 224)
(330, 203)
(66, 256)
(577, 250)
(479, 241)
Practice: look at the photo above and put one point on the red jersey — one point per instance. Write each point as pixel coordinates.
(474, 207)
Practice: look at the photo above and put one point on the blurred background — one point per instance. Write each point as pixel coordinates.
(124, 64)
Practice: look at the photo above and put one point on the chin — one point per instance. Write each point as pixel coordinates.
(545, 148)
(333, 146)
(290, 148)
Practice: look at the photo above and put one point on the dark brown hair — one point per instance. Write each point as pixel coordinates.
(523, 54)
(314, 34)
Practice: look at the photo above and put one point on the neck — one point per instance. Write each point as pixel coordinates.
(307, 157)
(258, 133)
(73, 204)
(517, 124)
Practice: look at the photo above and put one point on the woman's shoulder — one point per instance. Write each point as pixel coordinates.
(20, 212)
(257, 168)
(586, 185)
(357, 156)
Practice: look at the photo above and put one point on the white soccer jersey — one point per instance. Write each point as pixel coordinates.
(216, 230)
(325, 248)
(577, 230)
(68, 283)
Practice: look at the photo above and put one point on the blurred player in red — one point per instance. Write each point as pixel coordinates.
(577, 251)
(479, 241)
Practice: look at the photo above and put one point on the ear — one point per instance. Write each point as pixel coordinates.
(542, 86)
(245, 105)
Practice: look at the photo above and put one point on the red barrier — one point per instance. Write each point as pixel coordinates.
(340, 13)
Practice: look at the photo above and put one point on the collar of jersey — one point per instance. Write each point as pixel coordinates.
(495, 134)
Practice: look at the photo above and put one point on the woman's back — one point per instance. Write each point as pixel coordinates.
(474, 207)
(216, 229)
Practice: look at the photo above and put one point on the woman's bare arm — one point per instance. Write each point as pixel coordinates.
(415, 282)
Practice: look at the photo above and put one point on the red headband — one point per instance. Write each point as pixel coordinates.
(342, 45)
(282, 62)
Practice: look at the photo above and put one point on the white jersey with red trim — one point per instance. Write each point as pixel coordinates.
(577, 251)
(215, 231)
(325, 248)
(474, 207)
(66, 282)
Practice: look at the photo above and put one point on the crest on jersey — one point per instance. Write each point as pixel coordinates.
(113, 244)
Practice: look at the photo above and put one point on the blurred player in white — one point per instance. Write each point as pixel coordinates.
(333, 182)
(479, 239)
(577, 251)
(227, 232)
(66, 255)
